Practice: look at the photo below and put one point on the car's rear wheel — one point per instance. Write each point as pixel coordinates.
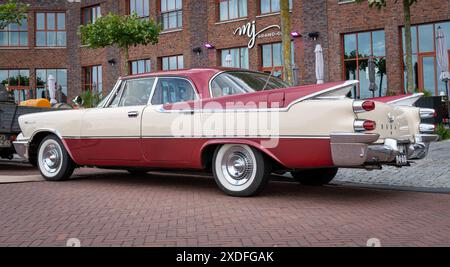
(315, 177)
(240, 170)
(53, 160)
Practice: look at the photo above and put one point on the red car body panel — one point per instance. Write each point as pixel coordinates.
(159, 152)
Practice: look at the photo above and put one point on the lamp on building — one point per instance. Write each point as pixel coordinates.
(112, 62)
(197, 50)
(313, 35)
(296, 34)
(209, 46)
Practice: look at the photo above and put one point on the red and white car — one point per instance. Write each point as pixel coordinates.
(240, 124)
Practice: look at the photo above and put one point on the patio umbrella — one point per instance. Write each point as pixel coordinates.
(442, 57)
(319, 64)
(372, 85)
(51, 82)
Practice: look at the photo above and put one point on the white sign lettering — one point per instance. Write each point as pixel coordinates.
(249, 30)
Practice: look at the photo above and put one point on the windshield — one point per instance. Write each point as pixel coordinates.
(242, 82)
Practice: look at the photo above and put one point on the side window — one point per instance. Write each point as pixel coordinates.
(173, 90)
(136, 92)
(133, 93)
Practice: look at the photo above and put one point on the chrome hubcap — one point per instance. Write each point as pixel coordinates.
(237, 166)
(51, 158)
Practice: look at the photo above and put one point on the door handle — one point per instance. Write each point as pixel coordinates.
(133, 114)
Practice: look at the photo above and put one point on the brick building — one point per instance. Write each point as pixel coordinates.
(47, 42)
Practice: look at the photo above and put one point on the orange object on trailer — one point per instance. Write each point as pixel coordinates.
(38, 103)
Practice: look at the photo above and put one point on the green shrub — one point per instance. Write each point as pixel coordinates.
(90, 99)
(443, 132)
(425, 92)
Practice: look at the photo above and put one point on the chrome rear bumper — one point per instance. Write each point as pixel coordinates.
(357, 149)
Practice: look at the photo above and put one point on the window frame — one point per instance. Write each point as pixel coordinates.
(147, 63)
(143, 5)
(240, 55)
(169, 11)
(98, 12)
(46, 30)
(46, 76)
(90, 84)
(18, 31)
(20, 88)
(228, 11)
(271, 12)
(273, 68)
(420, 55)
(168, 57)
(357, 58)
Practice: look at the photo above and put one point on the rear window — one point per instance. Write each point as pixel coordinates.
(243, 82)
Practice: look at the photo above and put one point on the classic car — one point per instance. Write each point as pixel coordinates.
(241, 125)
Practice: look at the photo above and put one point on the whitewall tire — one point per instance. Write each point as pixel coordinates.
(240, 170)
(53, 160)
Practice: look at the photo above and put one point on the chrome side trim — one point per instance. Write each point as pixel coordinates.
(202, 137)
(354, 138)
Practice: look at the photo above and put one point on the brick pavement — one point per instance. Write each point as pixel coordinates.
(116, 209)
(431, 172)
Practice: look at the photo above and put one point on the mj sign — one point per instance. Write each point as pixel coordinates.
(249, 30)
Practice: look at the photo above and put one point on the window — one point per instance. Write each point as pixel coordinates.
(172, 63)
(140, 66)
(173, 90)
(232, 9)
(358, 48)
(171, 14)
(242, 82)
(19, 82)
(139, 7)
(93, 79)
(133, 93)
(235, 58)
(272, 58)
(91, 14)
(272, 6)
(51, 29)
(426, 71)
(14, 35)
(60, 76)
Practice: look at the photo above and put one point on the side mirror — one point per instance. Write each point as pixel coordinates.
(78, 101)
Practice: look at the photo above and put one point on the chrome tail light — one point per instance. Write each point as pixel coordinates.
(363, 106)
(364, 125)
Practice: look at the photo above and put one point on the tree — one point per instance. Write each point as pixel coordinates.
(12, 12)
(121, 31)
(408, 39)
(286, 43)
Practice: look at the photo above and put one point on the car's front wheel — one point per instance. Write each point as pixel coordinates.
(53, 160)
(240, 170)
(315, 177)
